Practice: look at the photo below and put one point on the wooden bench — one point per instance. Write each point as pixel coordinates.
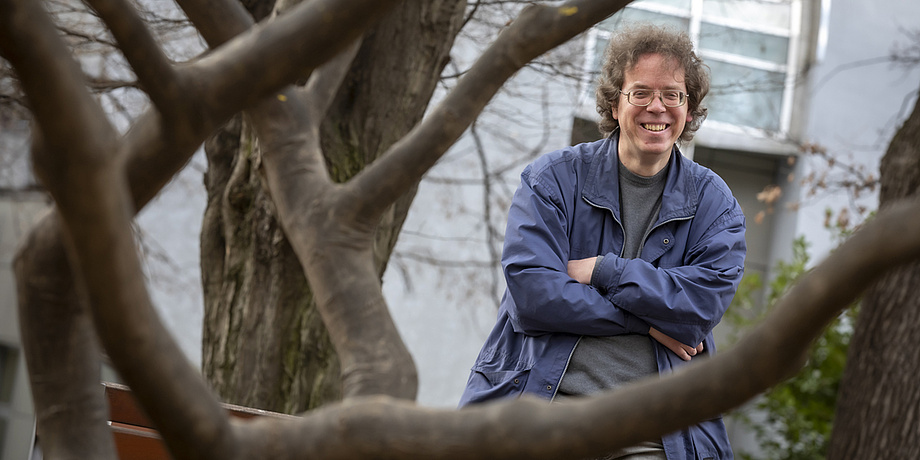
(135, 437)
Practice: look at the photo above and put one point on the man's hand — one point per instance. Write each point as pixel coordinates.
(581, 270)
(685, 352)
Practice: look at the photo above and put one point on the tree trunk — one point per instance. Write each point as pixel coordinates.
(877, 409)
(264, 344)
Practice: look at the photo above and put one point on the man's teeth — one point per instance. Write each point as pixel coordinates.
(655, 127)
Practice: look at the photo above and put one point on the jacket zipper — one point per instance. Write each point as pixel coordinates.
(622, 229)
(567, 362)
(644, 240)
(612, 214)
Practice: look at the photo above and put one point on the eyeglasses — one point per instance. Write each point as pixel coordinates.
(644, 97)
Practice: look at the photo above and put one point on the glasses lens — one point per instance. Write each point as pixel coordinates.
(639, 97)
(672, 98)
(642, 97)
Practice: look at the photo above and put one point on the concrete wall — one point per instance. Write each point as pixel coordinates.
(18, 210)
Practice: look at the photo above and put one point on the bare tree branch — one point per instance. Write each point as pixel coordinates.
(323, 84)
(151, 66)
(53, 82)
(64, 108)
(62, 354)
(204, 426)
(538, 29)
(218, 21)
(283, 50)
(337, 260)
(531, 429)
(97, 219)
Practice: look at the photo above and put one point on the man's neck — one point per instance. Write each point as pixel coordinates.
(645, 166)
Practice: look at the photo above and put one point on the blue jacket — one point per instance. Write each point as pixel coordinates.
(567, 208)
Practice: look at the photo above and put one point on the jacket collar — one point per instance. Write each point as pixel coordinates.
(679, 199)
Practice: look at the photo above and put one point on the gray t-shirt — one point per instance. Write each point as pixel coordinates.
(603, 363)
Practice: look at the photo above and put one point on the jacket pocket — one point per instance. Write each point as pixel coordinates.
(489, 385)
(711, 440)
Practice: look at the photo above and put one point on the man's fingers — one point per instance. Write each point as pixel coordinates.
(684, 352)
(694, 351)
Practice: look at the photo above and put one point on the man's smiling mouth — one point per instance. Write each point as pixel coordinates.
(655, 126)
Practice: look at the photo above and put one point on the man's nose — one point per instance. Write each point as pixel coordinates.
(657, 104)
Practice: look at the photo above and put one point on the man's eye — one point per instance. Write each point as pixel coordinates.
(672, 95)
(640, 94)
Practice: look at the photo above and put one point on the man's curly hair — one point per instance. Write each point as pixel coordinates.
(623, 53)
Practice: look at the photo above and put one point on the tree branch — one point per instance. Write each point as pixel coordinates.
(61, 353)
(283, 50)
(76, 155)
(533, 429)
(52, 81)
(218, 21)
(153, 159)
(323, 84)
(153, 69)
(538, 29)
(61, 350)
(341, 273)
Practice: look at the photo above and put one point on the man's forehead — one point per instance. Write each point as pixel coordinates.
(663, 60)
(653, 62)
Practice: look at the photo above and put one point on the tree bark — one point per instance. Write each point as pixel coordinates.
(877, 408)
(264, 344)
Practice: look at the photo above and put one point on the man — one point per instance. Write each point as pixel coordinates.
(620, 255)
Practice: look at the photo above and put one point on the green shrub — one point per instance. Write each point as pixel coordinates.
(793, 419)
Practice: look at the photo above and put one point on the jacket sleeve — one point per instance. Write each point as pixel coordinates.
(684, 302)
(541, 296)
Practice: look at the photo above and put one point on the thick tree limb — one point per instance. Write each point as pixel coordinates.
(527, 428)
(51, 79)
(337, 258)
(140, 48)
(78, 163)
(331, 228)
(538, 29)
(218, 21)
(283, 50)
(183, 387)
(58, 338)
(323, 84)
(61, 351)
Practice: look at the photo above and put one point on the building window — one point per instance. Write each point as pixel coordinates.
(748, 44)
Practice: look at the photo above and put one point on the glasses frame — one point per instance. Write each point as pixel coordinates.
(656, 93)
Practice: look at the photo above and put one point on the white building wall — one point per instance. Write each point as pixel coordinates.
(859, 100)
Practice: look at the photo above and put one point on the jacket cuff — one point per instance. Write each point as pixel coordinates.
(636, 325)
(597, 263)
(607, 271)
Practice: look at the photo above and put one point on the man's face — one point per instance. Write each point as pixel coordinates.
(648, 133)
